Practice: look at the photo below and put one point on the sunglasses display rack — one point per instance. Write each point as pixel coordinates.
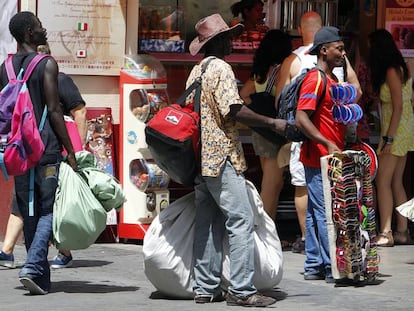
(350, 216)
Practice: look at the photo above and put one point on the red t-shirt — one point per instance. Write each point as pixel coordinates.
(310, 92)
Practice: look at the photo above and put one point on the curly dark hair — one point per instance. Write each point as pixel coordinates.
(19, 23)
(384, 54)
(273, 49)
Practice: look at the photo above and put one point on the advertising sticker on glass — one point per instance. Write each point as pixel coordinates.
(399, 21)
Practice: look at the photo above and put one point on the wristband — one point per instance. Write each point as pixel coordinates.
(388, 139)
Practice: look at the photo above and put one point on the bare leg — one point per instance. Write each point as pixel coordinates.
(272, 184)
(301, 204)
(386, 169)
(400, 196)
(13, 232)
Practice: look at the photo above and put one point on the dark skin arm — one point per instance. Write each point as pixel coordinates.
(246, 116)
(54, 110)
(304, 123)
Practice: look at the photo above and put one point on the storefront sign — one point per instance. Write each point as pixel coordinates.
(86, 37)
(399, 21)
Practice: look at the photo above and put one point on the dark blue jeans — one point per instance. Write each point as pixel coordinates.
(38, 228)
(317, 244)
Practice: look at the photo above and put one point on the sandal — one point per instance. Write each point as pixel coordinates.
(401, 238)
(385, 239)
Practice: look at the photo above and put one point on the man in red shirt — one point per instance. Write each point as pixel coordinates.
(324, 137)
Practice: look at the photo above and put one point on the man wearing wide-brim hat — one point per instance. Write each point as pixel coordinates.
(221, 197)
(325, 136)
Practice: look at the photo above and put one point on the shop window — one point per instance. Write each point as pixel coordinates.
(292, 10)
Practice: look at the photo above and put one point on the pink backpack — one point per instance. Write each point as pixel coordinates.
(21, 145)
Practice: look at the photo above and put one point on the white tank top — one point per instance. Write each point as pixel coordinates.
(306, 60)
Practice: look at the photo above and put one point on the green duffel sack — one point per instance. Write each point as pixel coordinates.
(106, 188)
(78, 217)
(85, 159)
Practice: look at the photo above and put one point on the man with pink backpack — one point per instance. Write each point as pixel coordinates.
(27, 30)
(74, 108)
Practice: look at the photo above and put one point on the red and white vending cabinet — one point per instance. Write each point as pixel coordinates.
(143, 87)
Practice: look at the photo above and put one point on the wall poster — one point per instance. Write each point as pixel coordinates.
(399, 21)
(86, 37)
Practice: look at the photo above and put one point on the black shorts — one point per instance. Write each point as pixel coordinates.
(14, 207)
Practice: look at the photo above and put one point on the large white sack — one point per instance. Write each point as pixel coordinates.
(268, 255)
(168, 248)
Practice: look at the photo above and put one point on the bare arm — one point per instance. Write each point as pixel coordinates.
(247, 89)
(79, 115)
(304, 123)
(54, 110)
(247, 116)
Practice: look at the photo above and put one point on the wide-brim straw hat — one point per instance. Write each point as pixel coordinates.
(209, 27)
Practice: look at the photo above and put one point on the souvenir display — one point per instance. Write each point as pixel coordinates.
(350, 214)
(100, 140)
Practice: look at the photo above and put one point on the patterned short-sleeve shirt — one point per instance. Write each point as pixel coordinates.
(219, 135)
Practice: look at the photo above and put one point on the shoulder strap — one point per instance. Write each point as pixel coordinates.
(193, 86)
(183, 96)
(323, 75)
(11, 75)
(32, 65)
(197, 95)
(272, 79)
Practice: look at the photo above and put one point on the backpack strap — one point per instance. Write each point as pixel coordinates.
(272, 79)
(197, 96)
(324, 82)
(31, 191)
(183, 96)
(32, 65)
(3, 167)
(11, 75)
(192, 87)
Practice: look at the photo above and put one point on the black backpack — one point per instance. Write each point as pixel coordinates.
(288, 103)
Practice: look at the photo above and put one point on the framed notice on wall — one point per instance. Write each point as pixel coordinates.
(86, 37)
(399, 21)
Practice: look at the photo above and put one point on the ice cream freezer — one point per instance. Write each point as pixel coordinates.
(143, 91)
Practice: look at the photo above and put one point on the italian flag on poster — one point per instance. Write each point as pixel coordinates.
(82, 26)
